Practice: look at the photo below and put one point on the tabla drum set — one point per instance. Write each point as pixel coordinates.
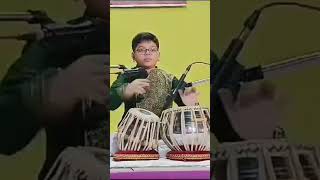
(185, 130)
(266, 160)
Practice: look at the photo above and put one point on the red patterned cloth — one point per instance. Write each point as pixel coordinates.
(189, 155)
(136, 155)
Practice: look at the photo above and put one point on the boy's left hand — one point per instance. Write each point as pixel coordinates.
(189, 96)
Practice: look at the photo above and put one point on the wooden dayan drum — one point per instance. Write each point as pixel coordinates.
(185, 130)
(138, 136)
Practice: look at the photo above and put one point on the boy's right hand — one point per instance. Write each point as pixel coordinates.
(136, 88)
(255, 114)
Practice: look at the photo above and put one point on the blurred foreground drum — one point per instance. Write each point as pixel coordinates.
(266, 160)
(74, 163)
(185, 130)
(138, 136)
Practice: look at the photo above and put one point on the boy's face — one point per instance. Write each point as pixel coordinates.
(146, 54)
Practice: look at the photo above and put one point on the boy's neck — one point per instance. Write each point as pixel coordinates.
(149, 69)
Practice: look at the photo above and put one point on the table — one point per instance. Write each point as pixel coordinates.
(159, 169)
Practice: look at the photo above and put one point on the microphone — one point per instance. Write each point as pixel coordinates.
(52, 30)
(173, 94)
(228, 68)
(33, 36)
(57, 30)
(31, 16)
(119, 66)
(138, 73)
(228, 73)
(197, 83)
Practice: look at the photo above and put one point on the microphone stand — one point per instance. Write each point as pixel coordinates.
(229, 73)
(31, 17)
(171, 97)
(49, 28)
(274, 70)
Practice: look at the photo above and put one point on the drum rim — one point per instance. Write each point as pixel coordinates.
(146, 117)
(185, 108)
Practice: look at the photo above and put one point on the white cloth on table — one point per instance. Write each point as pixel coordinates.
(162, 162)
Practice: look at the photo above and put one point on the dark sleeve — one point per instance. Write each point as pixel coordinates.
(116, 92)
(18, 127)
(221, 126)
(20, 101)
(214, 63)
(214, 58)
(178, 99)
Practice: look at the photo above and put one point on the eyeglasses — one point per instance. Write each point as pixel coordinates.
(144, 51)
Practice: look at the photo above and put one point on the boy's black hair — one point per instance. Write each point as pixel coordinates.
(144, 36)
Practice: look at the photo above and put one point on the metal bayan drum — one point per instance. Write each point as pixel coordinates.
(138, 135)
(266, 160)
(185, 130)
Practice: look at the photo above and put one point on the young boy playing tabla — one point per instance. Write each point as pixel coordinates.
(146, 54)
